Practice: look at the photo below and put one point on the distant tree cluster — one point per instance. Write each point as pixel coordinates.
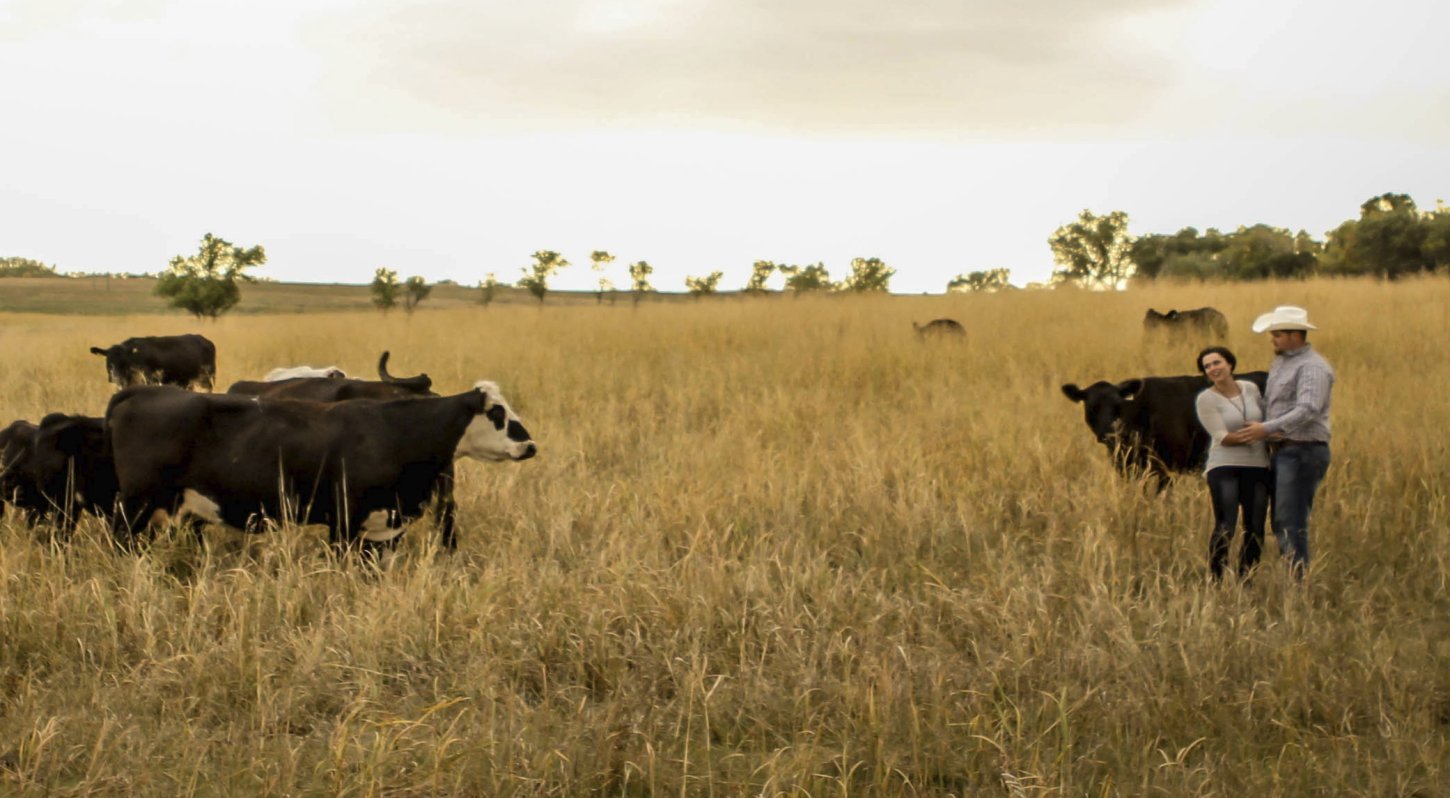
(1391, 238)
(205, 284)
(25, 267)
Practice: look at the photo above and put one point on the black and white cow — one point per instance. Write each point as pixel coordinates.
(185, 361)
(1150, 424)
(361, 467)
(62, 470)
(1207, 322)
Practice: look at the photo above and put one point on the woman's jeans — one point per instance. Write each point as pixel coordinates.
(1298, 470)
(1232, 488)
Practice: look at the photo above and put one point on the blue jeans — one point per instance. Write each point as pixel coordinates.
(1233, 488)
(1298, 470)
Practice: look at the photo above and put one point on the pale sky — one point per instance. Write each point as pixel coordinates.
(451, 139)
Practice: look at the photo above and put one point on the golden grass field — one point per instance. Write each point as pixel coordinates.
(769, 547)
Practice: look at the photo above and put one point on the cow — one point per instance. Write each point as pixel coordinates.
(939, 328)
(299, 372)
(1203, 321)
(318, 389)
(17, 487)
(361, 467)
(185, 361)
(64, 469)
(1150, 424)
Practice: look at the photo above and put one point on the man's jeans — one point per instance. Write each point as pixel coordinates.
(1298, 470)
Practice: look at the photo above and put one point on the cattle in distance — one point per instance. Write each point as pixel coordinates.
(939, 328)
(1205, 322)
(363, 468)
(185, 361)
(1150, 425)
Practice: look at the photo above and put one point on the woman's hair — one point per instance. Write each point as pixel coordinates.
(1233, 362)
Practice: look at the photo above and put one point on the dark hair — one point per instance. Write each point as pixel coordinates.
(1233, 362)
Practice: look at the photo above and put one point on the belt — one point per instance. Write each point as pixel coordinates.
(1303, 443)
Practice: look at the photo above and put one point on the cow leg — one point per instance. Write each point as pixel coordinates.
(133, 516)
(447, 509)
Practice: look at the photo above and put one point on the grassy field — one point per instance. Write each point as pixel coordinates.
(768, 547)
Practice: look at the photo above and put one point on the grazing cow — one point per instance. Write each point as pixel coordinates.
(1150, 424)
(362, 467)
(316, 389)
(1203, 321)
(939, 328)
(181, 360)
(17, 441)
(64, 470)
(301, 372)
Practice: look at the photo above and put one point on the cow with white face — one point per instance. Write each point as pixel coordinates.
(362, 467)
(305, 372)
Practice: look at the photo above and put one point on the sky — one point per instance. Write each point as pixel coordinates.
(451, 139)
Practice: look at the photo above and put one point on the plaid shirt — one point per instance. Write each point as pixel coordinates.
(1297, 399)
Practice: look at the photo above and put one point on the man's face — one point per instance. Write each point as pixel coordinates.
(1286, 340)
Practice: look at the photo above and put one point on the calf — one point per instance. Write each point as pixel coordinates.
(361, 467)
(1203, 321)
(185, 361)
(1150, 424)
(17, 442)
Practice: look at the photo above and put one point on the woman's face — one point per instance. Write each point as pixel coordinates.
(1216, 368)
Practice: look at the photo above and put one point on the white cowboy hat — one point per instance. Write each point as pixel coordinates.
(1284, 317)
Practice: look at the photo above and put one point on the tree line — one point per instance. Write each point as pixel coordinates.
(1392, 238)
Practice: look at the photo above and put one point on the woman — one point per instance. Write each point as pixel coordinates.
(1238, 475)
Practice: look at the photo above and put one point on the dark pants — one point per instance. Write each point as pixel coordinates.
(1232, 488)
(1298, 470)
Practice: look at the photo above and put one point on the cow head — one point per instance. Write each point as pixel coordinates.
(496, 435)
(1103, 404)
(72, 452)
(118, 371)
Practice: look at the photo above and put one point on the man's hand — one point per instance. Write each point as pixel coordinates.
(1253, 431)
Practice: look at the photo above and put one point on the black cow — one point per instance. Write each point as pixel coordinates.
(338, 389)
(361, 467)
(1203, 321)
(939, 328)
(62, 470)
(1150, 424)
(17, 487)
(181, 360)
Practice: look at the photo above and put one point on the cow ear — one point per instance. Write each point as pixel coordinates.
(1129, 388)
(96, 350)
(1073, 392)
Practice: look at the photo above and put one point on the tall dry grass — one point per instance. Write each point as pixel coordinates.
(769, 547)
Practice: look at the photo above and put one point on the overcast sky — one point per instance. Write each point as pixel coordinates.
(453, 139)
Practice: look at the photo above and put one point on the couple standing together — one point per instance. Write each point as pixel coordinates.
(1274, 444)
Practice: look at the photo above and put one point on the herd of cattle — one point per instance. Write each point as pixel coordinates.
(305, 445)
(365, 456)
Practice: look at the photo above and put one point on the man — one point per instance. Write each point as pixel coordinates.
(1296, 422)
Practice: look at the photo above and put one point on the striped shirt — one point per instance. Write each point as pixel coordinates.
(1298, 396)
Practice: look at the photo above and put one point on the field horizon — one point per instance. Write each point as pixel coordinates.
(775, 547)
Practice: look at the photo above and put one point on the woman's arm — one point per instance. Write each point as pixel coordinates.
(1210, 419)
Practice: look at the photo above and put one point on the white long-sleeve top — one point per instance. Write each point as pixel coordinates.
(1221, 415)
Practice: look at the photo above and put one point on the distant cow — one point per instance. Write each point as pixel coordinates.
(338, 389)
(361, 467)
(300, 372)
(939, 328)
(181, 360)
(63, 470)
(1203, 321)
(1150, 424)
